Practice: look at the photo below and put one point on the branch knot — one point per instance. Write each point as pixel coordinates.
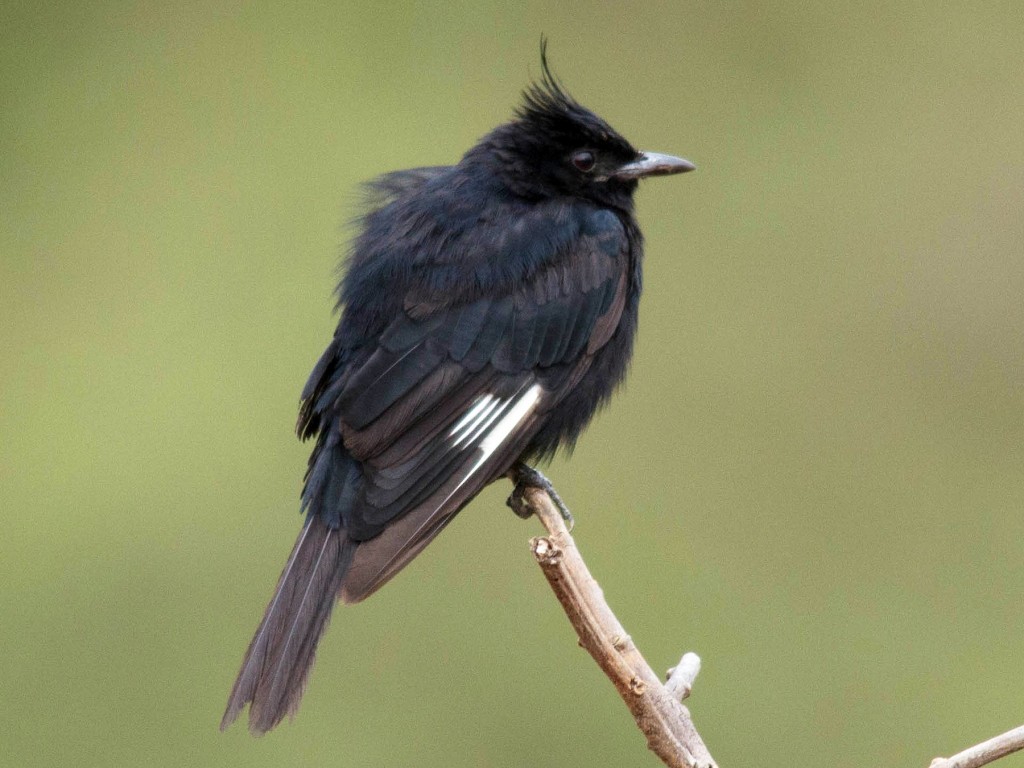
(546, 551)
(637, 686)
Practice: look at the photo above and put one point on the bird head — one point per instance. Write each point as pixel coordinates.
(557, 147)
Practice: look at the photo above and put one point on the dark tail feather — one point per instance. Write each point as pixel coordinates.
(281, 653)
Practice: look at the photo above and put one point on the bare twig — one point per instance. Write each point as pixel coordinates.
(656, 708)
(984, 753)
(681, 677)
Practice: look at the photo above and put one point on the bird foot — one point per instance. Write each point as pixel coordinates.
(524, 477)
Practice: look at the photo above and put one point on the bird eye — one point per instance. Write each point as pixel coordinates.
(584, 160)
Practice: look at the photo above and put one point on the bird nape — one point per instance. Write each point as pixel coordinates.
(488, 309)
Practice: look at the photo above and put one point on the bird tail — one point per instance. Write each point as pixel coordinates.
(282, 651)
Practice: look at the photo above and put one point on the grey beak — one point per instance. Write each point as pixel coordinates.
(653, 164)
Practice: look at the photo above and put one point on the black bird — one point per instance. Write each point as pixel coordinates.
(489, 309)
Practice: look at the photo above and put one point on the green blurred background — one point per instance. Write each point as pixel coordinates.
(814, 479)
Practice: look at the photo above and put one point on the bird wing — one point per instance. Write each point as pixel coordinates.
(455, 388)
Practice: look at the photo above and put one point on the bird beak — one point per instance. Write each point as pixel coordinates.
(653, 164)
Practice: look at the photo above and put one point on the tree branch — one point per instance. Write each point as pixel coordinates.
(984, 753)
(656, 708)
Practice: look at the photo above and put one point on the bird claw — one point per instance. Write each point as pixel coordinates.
(524, 477)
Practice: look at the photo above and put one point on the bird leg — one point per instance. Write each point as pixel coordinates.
(525, 476)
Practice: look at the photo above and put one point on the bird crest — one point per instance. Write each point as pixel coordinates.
(548, 108)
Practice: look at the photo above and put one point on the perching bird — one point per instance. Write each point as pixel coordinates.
(489, 309)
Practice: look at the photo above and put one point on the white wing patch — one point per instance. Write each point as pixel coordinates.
(473, 416)
(510, 420)
(483, 419)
